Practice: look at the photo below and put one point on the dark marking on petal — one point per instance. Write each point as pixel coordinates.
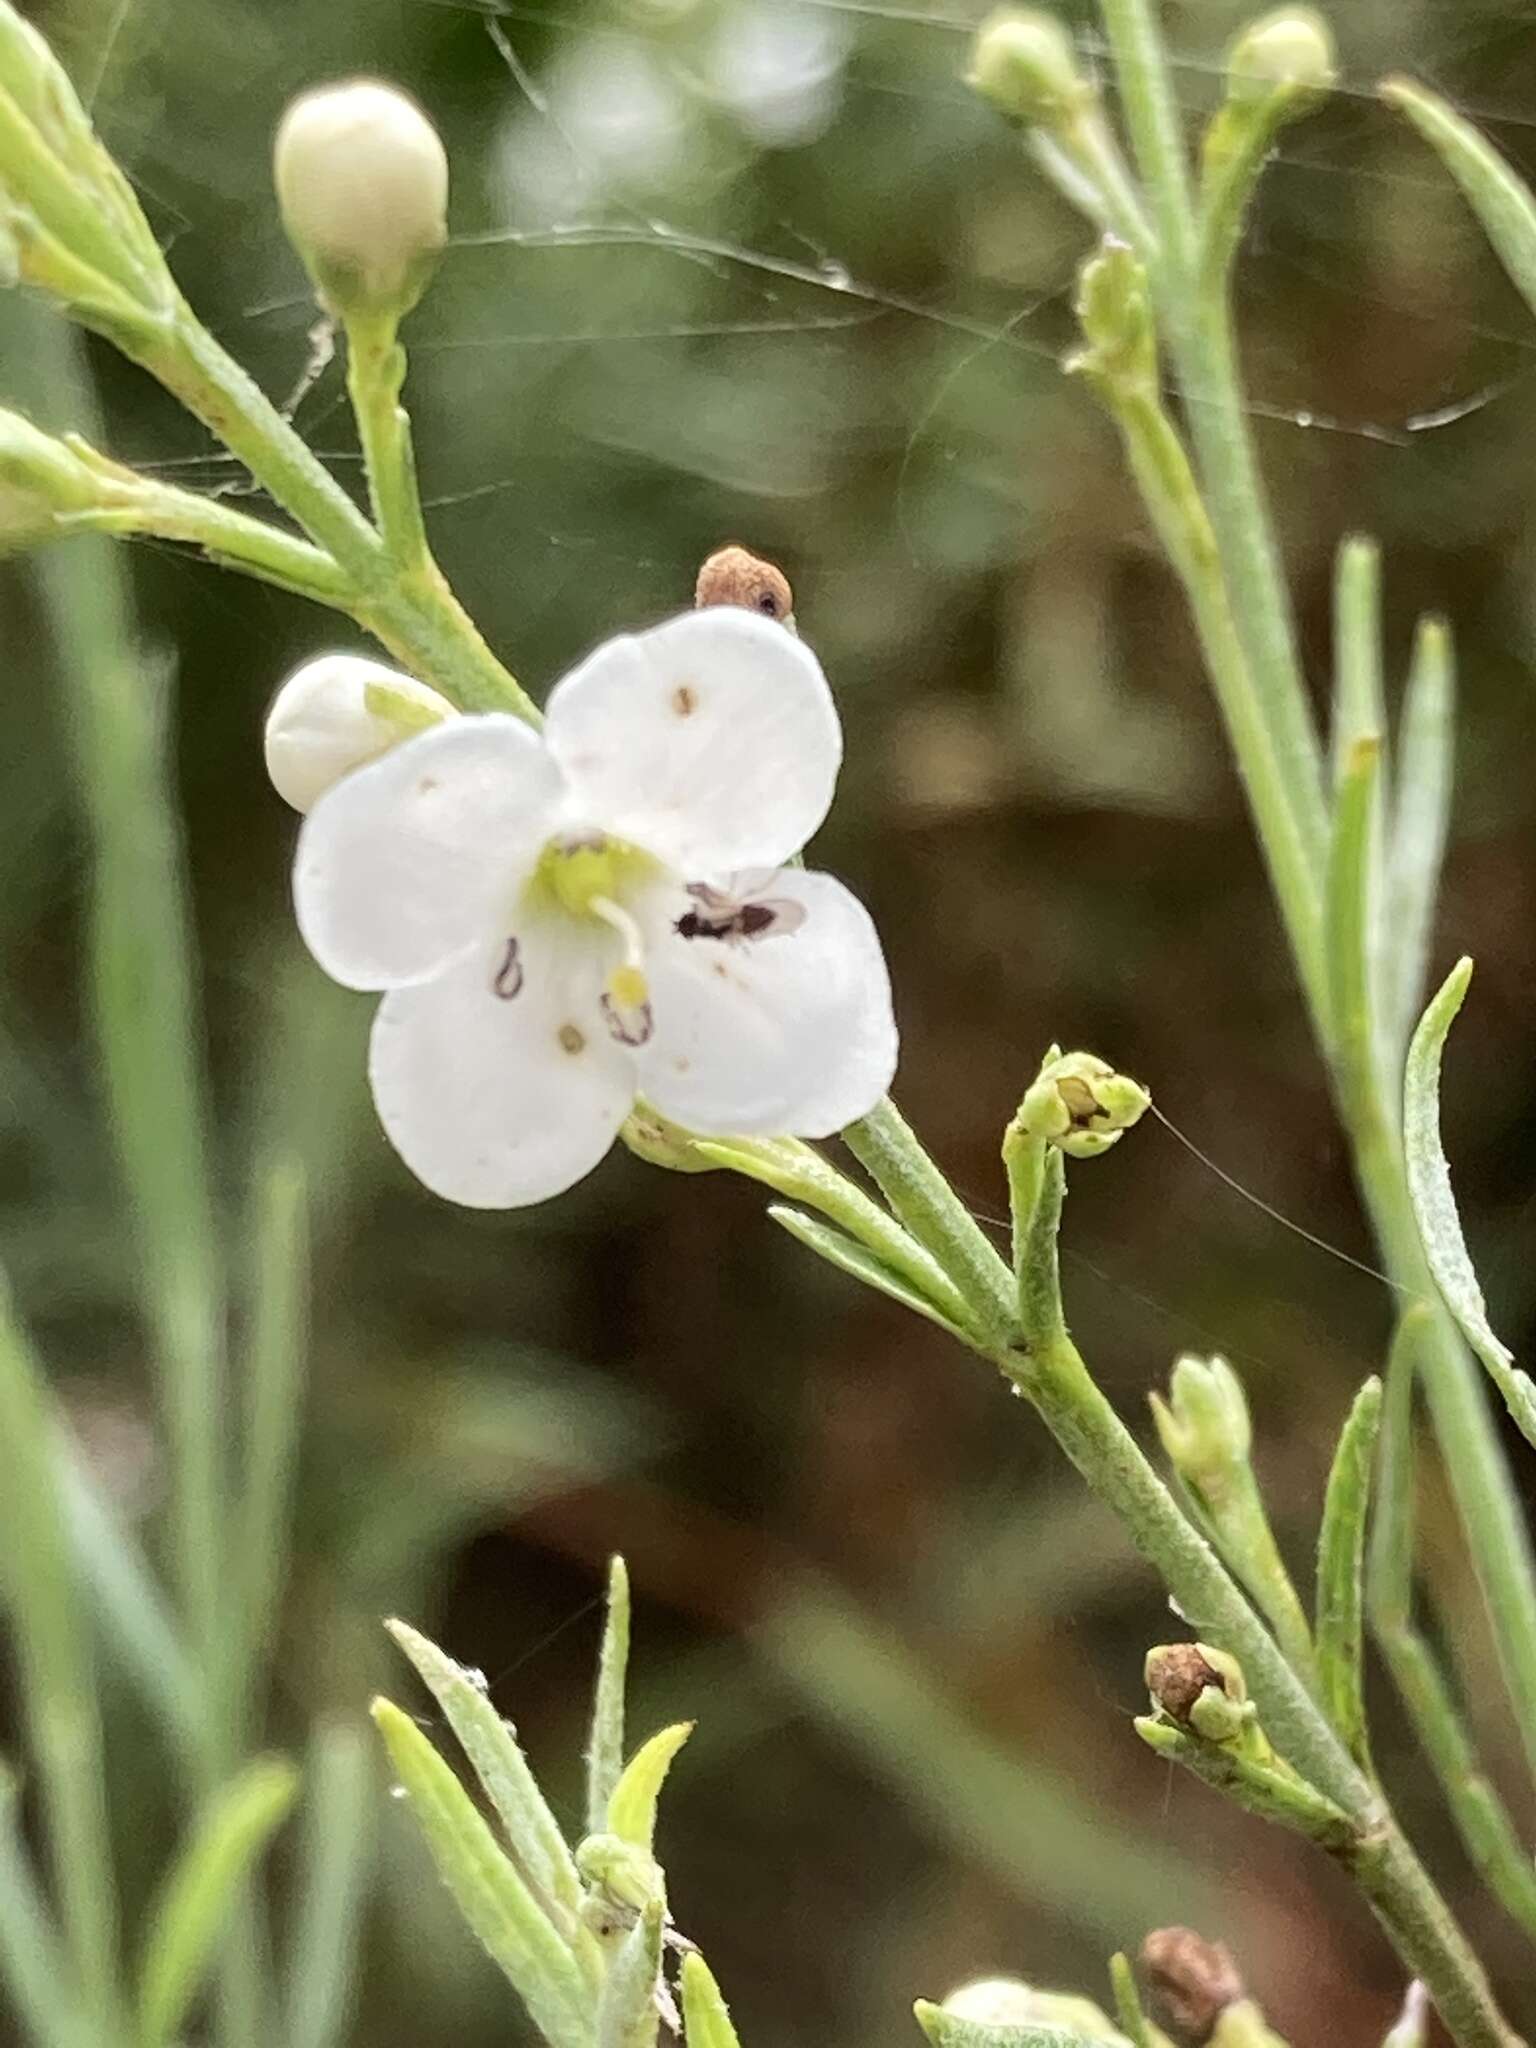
(427, 784)
(508, 979)
(628, 1026)
(572, 1038)
(685, 700)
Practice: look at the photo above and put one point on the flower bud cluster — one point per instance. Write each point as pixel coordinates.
(70, 224)
(1081, 1104)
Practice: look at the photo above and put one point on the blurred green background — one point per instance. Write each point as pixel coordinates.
(816, 303)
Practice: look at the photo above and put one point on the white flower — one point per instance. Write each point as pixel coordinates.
(336, 713)
(564, 921)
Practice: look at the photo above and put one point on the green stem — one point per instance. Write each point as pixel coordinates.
(1059, 1386)
(925, 1204)
(409, 608)
(1199, 328)
(1269, 694)
(230, 538)
(375, 379)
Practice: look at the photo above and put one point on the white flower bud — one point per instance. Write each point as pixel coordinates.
(362, 180)
(337, 713)
(1024, 62)
(1008, 2002)
(1290, 50)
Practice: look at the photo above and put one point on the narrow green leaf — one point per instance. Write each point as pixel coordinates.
(1420, 821)
(1339, 1632)
(949, 2030)
(1352, 918)
(1273, 1792)
(605, 1742)
(627, 2014)
(632, 1809)
(1434, 1204)
(800, 1173)
(56, 1670)
(334, 1855)
(1359, 704)
(33, 1967)
(859, 1264)
(200, 1892)
(497, 1906)
(533, 1833)
(706, 2021)
(1495, 191)
(1134, 2023)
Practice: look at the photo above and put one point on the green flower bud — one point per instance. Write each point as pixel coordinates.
(1009, 2002)
(620, 1873)
(1081, 1104)
(1114, 311)
(1023, 61)
(1290, 50)
(1204, 1424)
(362, 180)
(70, 223)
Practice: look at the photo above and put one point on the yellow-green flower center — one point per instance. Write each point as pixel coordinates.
(573, 875)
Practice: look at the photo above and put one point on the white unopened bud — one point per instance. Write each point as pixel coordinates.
(1290, 50)
(1008, 2002)
(362, 180)
(337, 713)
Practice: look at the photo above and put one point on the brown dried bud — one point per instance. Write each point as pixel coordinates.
(733, 575)
(1177, 1674)
(1196, 1979)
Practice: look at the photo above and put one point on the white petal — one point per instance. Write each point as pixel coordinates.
(712, 740)
(786, 1035)
(322, 724)
(498, 1101)
(405, 864)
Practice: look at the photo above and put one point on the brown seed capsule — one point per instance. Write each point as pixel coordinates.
(1196, 1979)
(1177, 1674)
(733, 575)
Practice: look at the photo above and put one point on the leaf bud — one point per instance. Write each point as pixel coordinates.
(1204, 1423)
(337, 713)
(1289, 51)
(1024, 62)
(362, 180)
(1081, 1104)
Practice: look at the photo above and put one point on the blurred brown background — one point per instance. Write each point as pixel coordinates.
(827, 321)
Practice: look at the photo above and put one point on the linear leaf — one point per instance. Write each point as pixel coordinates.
(497, 1906)
(605, 1742)
(488, 1741)
(632, 1809)
(32, 1961)
(1434, 1203)
(706, 2021)
(1420, 820)
(1352, 917)
(201, 1889)
(1493, 188)
(1339, 1634)
(334, 1856)
(860, 1264)
(1359, 707)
